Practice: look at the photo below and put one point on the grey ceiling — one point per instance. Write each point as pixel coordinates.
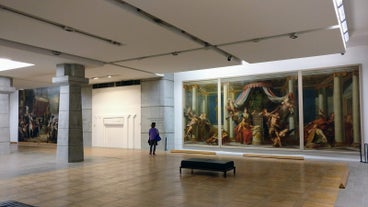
(166, 35)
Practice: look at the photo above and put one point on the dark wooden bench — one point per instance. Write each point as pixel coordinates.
(208, 164)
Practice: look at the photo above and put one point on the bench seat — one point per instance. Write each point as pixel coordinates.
(208, 164)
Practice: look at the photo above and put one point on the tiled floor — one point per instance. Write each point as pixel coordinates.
(115, 177)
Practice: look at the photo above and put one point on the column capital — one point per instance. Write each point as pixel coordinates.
(70, 74)
(69, 80)
(203, 92)
(292, 77)
(356, 72)
(7, 90)
(191, 86)
(6, 85)
(195, 86)
(339, 74)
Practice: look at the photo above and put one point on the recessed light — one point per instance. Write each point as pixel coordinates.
(293, 36)
(159, 74)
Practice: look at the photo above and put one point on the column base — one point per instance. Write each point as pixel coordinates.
(339, 144)
(4, 148)
(357, 145)
(69, 154)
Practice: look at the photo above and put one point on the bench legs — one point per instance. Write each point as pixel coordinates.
(181, 167)
(225, 171)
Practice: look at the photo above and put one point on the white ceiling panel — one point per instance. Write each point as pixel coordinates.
(316, 43)
(46, 66)
(117, 73)
(139, 36)
(35, 33)
(194, 60)
(37, 76)
(150, 31)
(39, 81)
(221, 22)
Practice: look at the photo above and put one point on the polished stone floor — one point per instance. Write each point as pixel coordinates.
(116, 177)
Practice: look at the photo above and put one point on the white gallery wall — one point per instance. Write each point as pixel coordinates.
(116, 117)
(353, 56)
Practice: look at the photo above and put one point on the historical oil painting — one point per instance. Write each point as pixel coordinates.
(332, 110)
(264, 111)
(38, 115)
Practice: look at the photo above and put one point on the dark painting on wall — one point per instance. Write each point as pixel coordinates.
(38, 115)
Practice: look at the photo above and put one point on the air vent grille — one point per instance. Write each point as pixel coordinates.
(128, 83)
(116, 84)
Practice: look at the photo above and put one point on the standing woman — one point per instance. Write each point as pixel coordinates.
(152, 140)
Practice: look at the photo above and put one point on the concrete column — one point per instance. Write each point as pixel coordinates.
(337, 102)
(158, 106)
(356, 115)
(71, 78)
(87, 115)
(5, 89)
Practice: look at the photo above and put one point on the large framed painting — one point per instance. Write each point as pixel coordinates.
(38, 115)
(265, 110)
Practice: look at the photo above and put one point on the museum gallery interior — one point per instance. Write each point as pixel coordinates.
(272, 92)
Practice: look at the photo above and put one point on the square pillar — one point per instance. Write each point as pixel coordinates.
(71, 78)
(5, 89)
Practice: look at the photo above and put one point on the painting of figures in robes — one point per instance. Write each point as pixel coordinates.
(332, 110)
(38, 115)
(264, 111)
(261, 112)
(254, 112)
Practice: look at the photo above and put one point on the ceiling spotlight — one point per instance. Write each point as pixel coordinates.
(56, 53)
(68, 29)
(229, 58)
(293, 36)
(114, 42)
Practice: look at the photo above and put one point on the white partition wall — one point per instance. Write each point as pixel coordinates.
(116, 117)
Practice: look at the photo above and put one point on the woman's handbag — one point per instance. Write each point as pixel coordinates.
(158, 138)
